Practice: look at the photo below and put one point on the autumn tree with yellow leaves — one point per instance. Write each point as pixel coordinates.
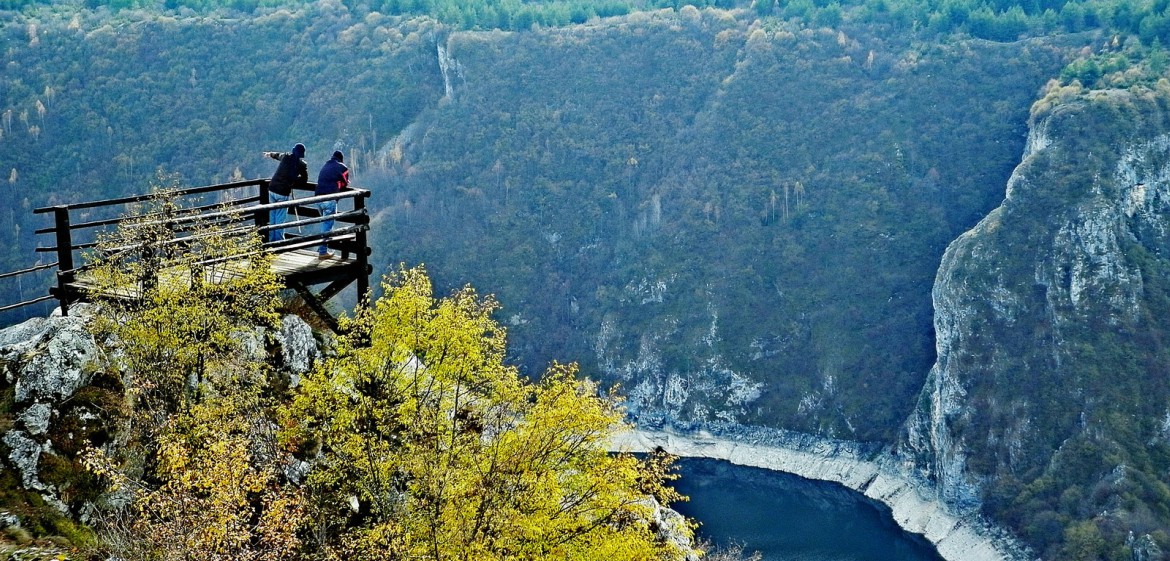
(177, 292)
(426, 445)
(195, 472)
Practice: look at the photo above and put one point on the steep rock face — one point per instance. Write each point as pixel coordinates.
(1048, 400)
(56, 353)
(64, 396)
(47, 364)
(298, 348)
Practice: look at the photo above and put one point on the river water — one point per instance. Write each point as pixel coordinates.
(789, 518)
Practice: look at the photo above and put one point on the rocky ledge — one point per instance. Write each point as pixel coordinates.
(54, 409)
(958, 537)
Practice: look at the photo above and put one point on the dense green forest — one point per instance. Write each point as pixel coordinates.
(656, 214)
(193, 98)
(733, 210)
(998, 20)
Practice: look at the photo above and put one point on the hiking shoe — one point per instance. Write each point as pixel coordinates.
(325, 256)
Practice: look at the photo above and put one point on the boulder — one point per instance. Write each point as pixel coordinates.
(24, 454)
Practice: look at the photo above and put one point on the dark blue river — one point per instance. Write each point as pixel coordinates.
(789, 518)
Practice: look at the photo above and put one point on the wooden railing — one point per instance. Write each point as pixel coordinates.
(243, 204)
(30, 301)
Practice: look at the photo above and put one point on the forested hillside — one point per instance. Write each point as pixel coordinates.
(763, 216)
(998, 20)
(735, 218)
(94, 104)
(736, 212)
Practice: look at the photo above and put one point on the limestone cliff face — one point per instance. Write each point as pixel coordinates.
(1049, 395)
(62, 399)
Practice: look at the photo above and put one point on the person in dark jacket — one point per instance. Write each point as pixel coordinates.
(334, 178)
(292, 172)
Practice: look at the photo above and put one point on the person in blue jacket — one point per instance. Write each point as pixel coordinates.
(292, 172)
(334, 178)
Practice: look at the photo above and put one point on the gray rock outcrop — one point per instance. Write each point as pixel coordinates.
(1146, 549)
(48, 362)
(58, 352)
(24, 453)
(1048, 315)
(298, 348)
(670, 526)
(36, 418)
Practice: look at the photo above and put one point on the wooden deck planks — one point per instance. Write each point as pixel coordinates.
(300, 261)
(285, 265)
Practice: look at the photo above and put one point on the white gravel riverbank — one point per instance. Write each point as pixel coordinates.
(957, 538)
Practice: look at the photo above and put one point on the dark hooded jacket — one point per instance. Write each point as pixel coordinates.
(334, 175)
(291, 172)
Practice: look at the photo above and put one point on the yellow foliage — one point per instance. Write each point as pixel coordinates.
(198, 458)
(178, 298)
(215, 498)
(429, 446)
(1055, 95)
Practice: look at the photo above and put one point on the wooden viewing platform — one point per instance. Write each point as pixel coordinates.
(242, 208)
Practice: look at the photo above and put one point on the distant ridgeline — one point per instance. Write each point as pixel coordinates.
(735, 214)
(997, 20)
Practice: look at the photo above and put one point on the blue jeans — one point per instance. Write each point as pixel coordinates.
(277, 216)
(327, 208)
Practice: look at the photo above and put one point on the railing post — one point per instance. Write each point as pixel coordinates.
(363, 259)
(65, 273)
(261, 216)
